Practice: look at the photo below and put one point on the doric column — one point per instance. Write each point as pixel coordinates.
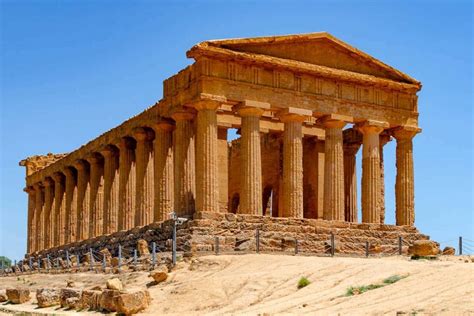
(223, 168)
(371, 170)
(71, 205)
(144, 176)
(96, 198)
(352, 142)
(293, 119)
(333, 168)
(251, 157)
(82, 207)
(111, 189)
(184, 163)
(39, 207)
(404, 183)
(163, 170)
(48, 211)
(127, 184)
(383, 140)
(31, 231)
(207, 182)
(59, 209)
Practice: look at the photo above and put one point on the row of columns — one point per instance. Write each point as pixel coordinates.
(141, 180)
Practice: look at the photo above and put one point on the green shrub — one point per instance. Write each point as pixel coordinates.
(355, 290)
(393, 279)
(303, 282)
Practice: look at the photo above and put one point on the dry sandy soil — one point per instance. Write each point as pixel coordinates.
(267, 284)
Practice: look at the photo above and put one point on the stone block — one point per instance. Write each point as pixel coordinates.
(48, 297)
(132, 302)
(18, 295)
(107, 300)
(70, 297)
(424, 248)
(114, 284)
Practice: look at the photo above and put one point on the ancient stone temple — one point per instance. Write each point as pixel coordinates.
(304, 105)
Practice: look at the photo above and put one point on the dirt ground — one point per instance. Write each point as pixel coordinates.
(267, 284)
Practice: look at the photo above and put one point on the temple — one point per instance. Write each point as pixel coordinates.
(304, 105)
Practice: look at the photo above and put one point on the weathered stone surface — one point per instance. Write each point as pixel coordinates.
(70, 283)
(132, 302)
(18, 295)
(142, 246)
(3, 296)
(48, 297)
(114, 284)
(160, 274)
(107, 300)
(90, 299)
(70, 297)
(449, 251)
(424, 248)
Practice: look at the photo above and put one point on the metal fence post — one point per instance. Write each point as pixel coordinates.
(332, 244)
(173, 256)
(460, 245)
(68, 260)
(400, 244)
(48, 264)
(39, 264)
(135, 257)
(78, 260)
(366, 249)
(296, 246)
(217, 245)
(153, 254)
(257, 240)
(104, 263)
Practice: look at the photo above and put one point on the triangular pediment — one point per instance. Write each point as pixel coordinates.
(320, 49)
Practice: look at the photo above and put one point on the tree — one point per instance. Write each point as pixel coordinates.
(5, 262)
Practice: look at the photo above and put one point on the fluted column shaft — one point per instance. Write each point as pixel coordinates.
(144, 184)
(163, 171)
(251, 162)
(292, 166)
(96, 196)
(126, 184)
(70, 206)
(333, 171)
(111, 190)
(82, 208)
(350, 182)
(59, 205)
(404, 183)
(48, 213)
(384, 139)
(31, 229)
(184, 164)
(370, 173)
(39, 207)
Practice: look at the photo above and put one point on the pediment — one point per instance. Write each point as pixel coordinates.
(320, 49)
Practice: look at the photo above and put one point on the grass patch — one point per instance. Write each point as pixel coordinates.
(417, 257)
(356, 290)
(303, 281)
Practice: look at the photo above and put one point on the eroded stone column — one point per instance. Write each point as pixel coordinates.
(383, 140)
(352, 141)
(144, 177)
(82, 206)
(59, 205)
(404, 184)
(48, 212)
(163, 170)
(39, 207)
(333, 169)
(111, 189)
(293, 119)
(96, 196)
(184, 164)
(31, 229)
(251, 158)
(71, 205)
(371, 170)
(126, 184)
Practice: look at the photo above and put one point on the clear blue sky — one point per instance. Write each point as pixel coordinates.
(71, 70)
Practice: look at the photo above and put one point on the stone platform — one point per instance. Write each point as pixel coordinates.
(238, 234)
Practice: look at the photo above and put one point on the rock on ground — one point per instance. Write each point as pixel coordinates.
(18, 295)
(114, 284)
(424, 248)
(159, 275)
(90, 299)
(70, 297)
(48, 297)
(133, 302)
(449, 251)
(107, 300)
(3, 296)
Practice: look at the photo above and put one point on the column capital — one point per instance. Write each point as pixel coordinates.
(109, 151)
(294, 114)
(29, 190)
(68, 172)
(183, 114)
(141, 134)
(405, 132)
(48, 181)
(385, 137)
(335, 120)
(57, 177)
(163, 125)
(126, 143)
(251, 108)
(372, 127)
(208, 102)
(80, 164)
(94, 158)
